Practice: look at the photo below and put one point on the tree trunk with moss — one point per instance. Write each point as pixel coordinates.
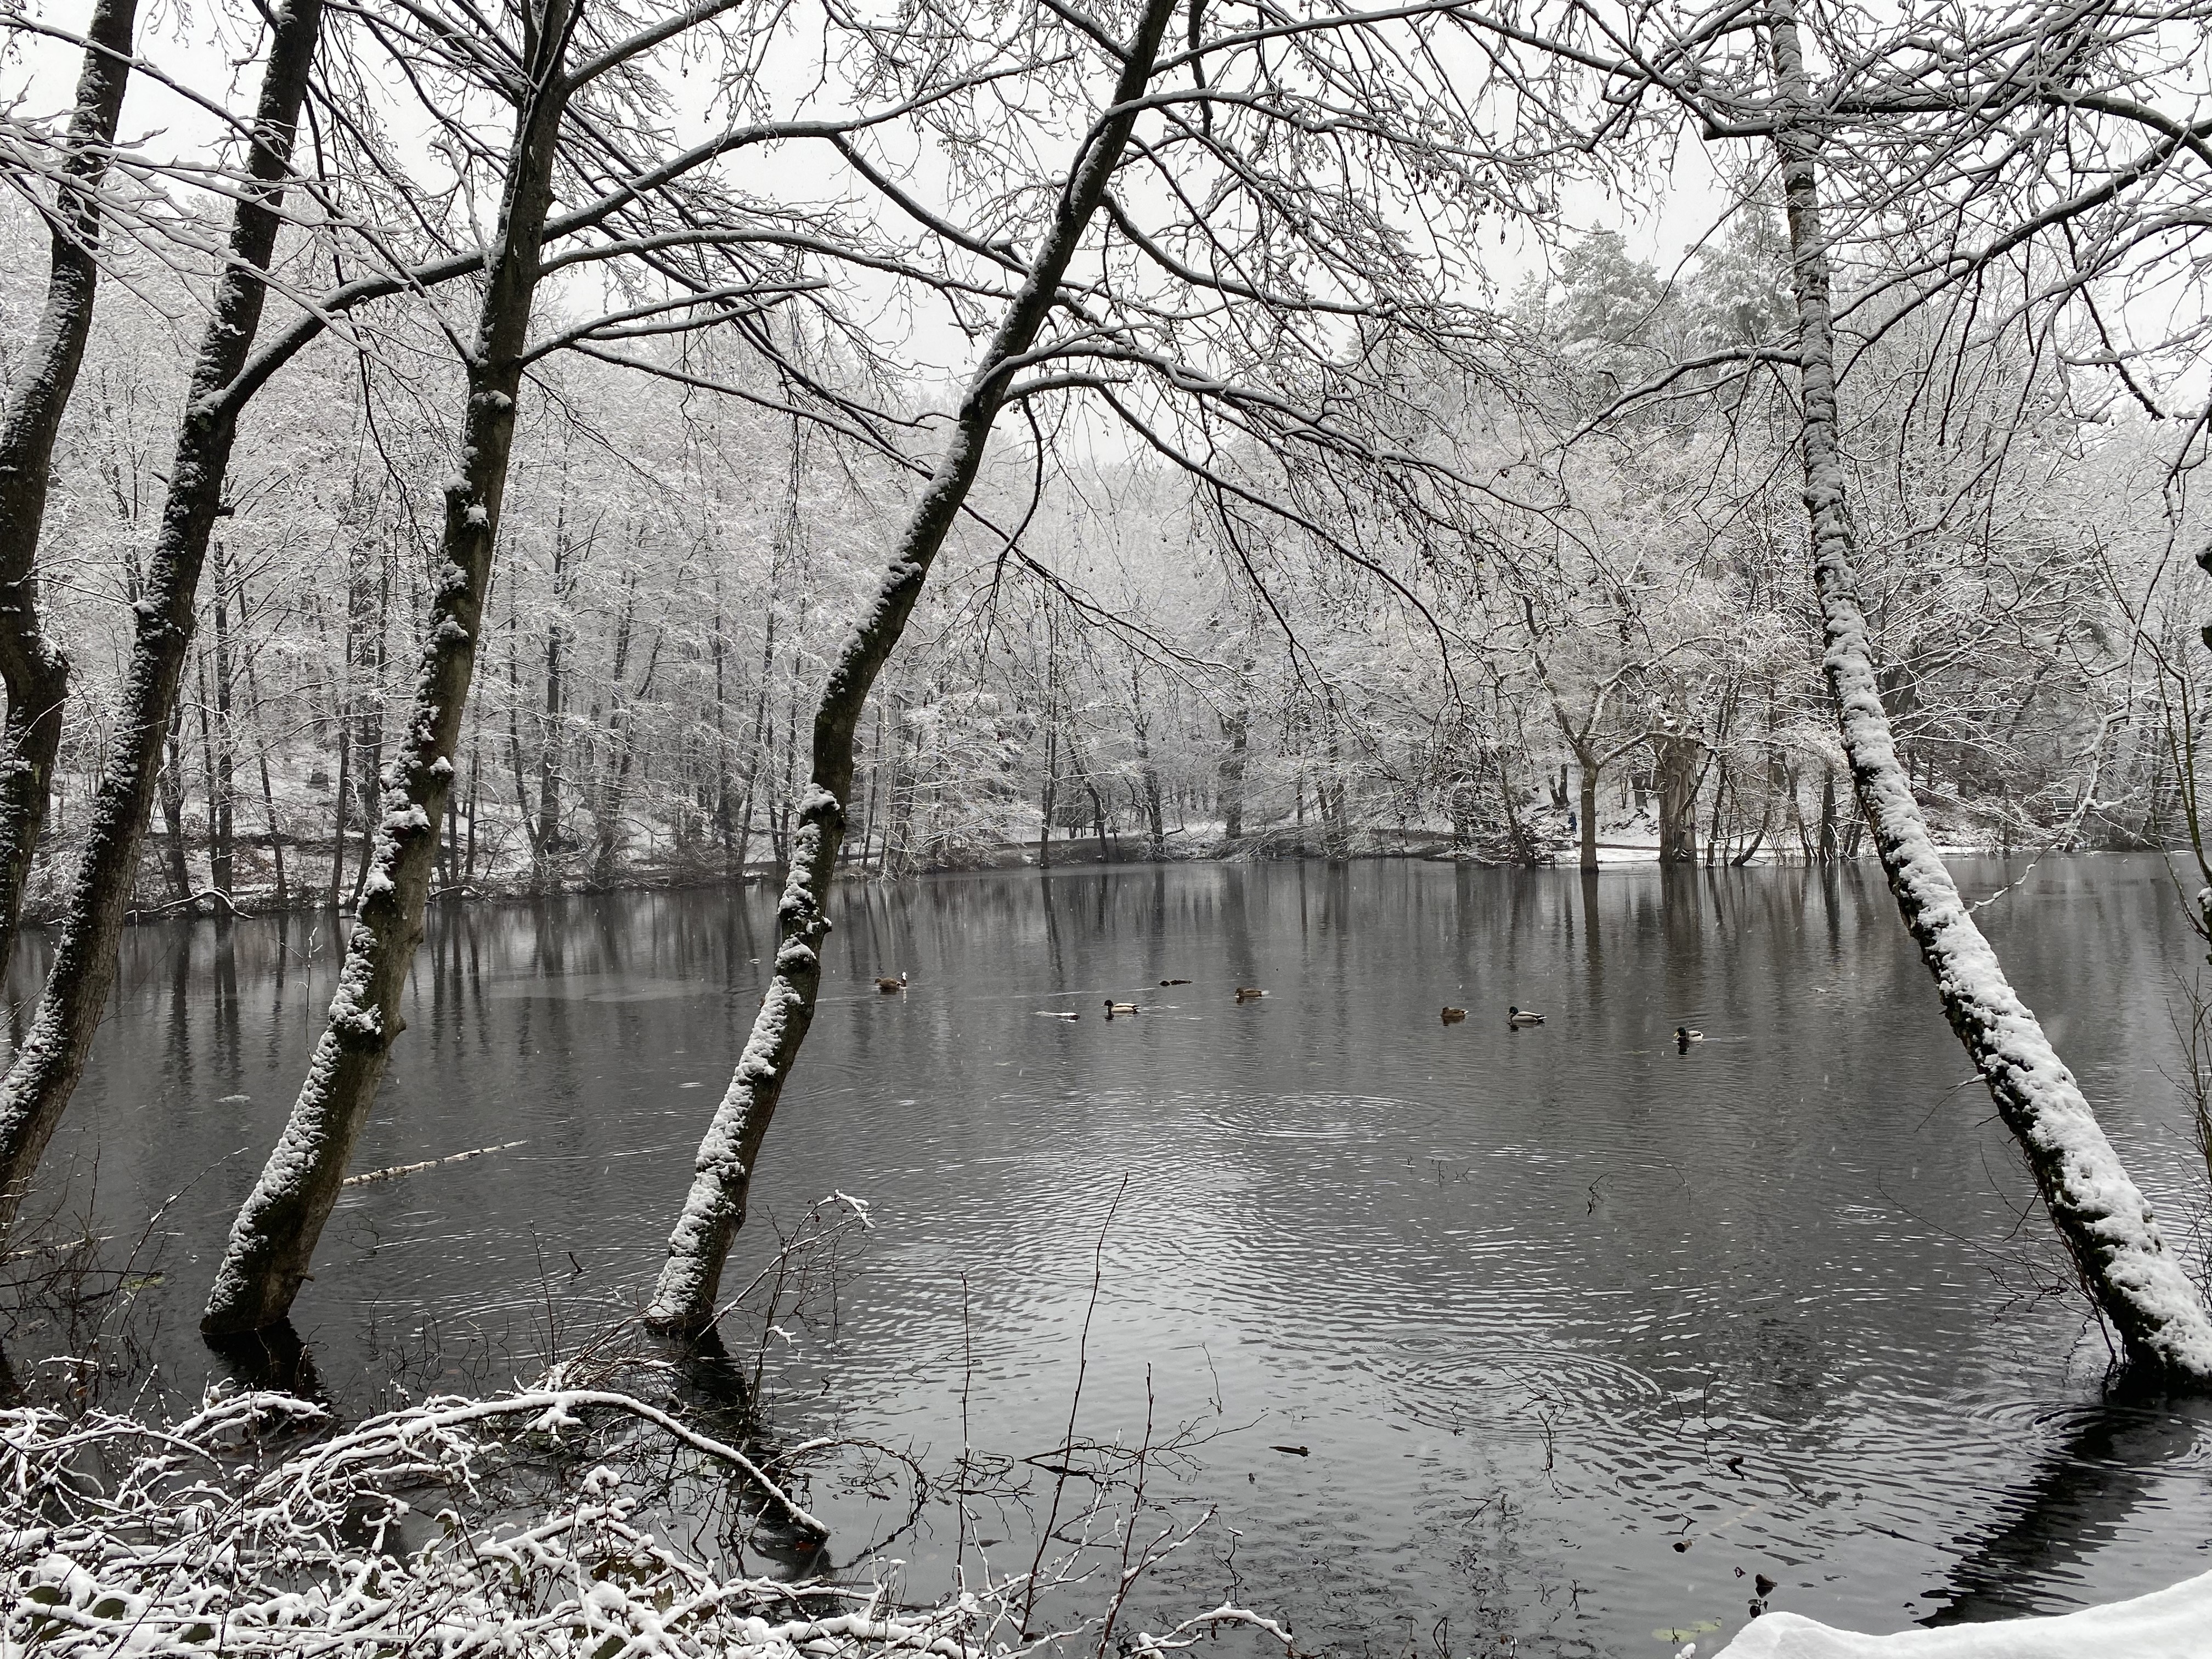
(32, 665)
(38, 1086)
(273, 1239)
(2104, 1219)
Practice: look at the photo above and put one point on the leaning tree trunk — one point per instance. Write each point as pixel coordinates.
(2104, 1219)
(38, 1085)
(33, 666)
(274, 1236)
(683, 1300)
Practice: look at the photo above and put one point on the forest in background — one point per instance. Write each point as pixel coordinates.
(1154, 668)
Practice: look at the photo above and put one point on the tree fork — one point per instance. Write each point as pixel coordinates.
(32, 665)
(683, 1300)
(38, 1086)
(2104, 1220)
(273, 1238)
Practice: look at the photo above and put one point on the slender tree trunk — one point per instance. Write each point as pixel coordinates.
(722, 826)
(371, 741)
(1587, 765)
(2106, 1221)
(547, 843)
(683, 1300)
(172, 808)
(274, 1236)
(39, 1084)
(341, 805)
(223, 785)
(32, 665)
(1049, 794)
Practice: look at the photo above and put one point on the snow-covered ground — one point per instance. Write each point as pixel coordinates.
(2175, 1623)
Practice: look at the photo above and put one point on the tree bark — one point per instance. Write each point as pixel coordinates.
(32, 665)
(38, 1085)
(683, 1300)
(274, 1236)
(2106, 1222)
(1588, 769)
(1236, 729)
(1675, 777)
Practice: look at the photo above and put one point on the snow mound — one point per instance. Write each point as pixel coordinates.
(2169, 1623)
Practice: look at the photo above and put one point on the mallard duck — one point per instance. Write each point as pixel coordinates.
(1523, 1016)
(1114, 1007)
(1685, 1036)
(888, 986)
(1453, 1016)
(1174, 981)
(1248, 992)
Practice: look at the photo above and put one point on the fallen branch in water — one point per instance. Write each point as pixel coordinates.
(399, 1170)
(191, 899)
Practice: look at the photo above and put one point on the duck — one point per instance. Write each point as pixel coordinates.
(1114, 1007)
(1165, 982)
(888, 986)
(1453, 1016)
(1523, 1016)
(1250, 992)
(1685, 1036)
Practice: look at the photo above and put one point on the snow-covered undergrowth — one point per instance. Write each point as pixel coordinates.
(253, 1528)
(2175, 1623)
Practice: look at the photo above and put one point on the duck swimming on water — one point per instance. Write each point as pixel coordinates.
(888, 986)
(1523, 1016)
(1114, 1007)
(1453, 1016)
(1685, 1036)
(1250, 994)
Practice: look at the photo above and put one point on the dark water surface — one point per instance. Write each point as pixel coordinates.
(1538, 1305)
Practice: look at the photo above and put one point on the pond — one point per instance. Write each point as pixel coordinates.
(1471, 1339)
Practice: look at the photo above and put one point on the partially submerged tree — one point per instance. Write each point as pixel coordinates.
(1908, 120)
(52, 1056)
(32, 665)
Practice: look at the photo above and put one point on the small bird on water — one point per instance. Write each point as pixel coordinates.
(1250, 994)
(1114, 1007)
(1523, 1016)
(1174, 981)
(888, 986)
(1453, 1016)
(1684, 1037)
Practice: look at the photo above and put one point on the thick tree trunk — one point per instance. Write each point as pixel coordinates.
(683, 1300)
(1675, 777)
(39, 1084)
(1237, 728)
(274, 1237)
(32, 665)
(2104, 1219)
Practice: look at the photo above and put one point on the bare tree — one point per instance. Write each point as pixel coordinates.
(52, 1056)
(32, 664)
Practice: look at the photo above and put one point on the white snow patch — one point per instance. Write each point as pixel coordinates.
(2169, 1623)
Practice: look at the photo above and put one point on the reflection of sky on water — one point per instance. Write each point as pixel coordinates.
(1541, 1305)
